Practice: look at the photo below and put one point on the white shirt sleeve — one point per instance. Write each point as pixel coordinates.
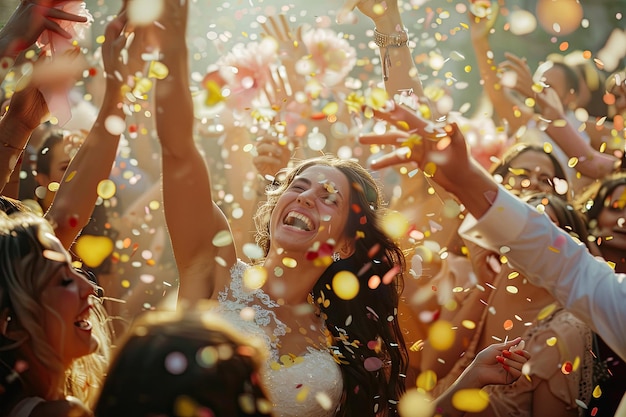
(550, 258)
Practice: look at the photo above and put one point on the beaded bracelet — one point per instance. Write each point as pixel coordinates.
(395, 40)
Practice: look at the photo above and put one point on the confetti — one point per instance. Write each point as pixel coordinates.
(441, 336)
(470, 400)
(416, 404)
(93, 250)
(346, 285)
(426, 380)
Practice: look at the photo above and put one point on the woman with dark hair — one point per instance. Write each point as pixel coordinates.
(170, 362)
(529, 168)
(323, 294)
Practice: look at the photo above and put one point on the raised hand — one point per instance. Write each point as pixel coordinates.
(272, 156)
(284, 81)
(482, 17)
(27, 23)
(439, 150)
(374, 9)
(289, 43)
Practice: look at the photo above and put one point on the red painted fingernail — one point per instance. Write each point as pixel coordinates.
(506, 353)
(506, 367)
(500, 359)
(519, 352)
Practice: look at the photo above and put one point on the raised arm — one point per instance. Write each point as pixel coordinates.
(74, 201)
(193, 220)
(399, 72)
(507, 109)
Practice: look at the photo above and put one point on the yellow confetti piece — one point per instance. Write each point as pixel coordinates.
(254, 277)
(551, 341)
(53, 186)
(106, 189)
(289, 262)
(330, 108)
(302, 394)
(512, 289)
(427, 380)
(597, 392)
(346, 285)
(158, 70)
(546, 311)
(572, 162)
(395, 224)
(441, 335)
(537, 88)
(417, 346)
(468, 324)
(547, 147)
(470, 400)
(93, 250)
(430, 168)
(185, 406)
(70, 176)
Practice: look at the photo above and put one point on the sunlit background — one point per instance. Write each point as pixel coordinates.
(442, 50)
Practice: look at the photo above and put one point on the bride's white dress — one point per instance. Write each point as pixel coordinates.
(311, 386)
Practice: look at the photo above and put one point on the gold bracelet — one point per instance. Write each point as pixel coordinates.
(395, 40)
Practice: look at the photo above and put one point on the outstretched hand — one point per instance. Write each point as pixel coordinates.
(482, 18)
(272, 156)
(27, 23)
(440, 150)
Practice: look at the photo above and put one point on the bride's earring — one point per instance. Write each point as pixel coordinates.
(336, 256)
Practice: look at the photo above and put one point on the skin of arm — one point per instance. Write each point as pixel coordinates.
(93, 162)
(193, 219)
(26, 111)
(503, 104)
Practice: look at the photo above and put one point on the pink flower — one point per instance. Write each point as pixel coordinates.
(330, 57)
(246, 69)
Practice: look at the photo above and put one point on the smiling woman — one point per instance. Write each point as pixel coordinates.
(324, 296)
(54, 337)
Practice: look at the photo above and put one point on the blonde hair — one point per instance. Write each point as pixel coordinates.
(22, 282)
